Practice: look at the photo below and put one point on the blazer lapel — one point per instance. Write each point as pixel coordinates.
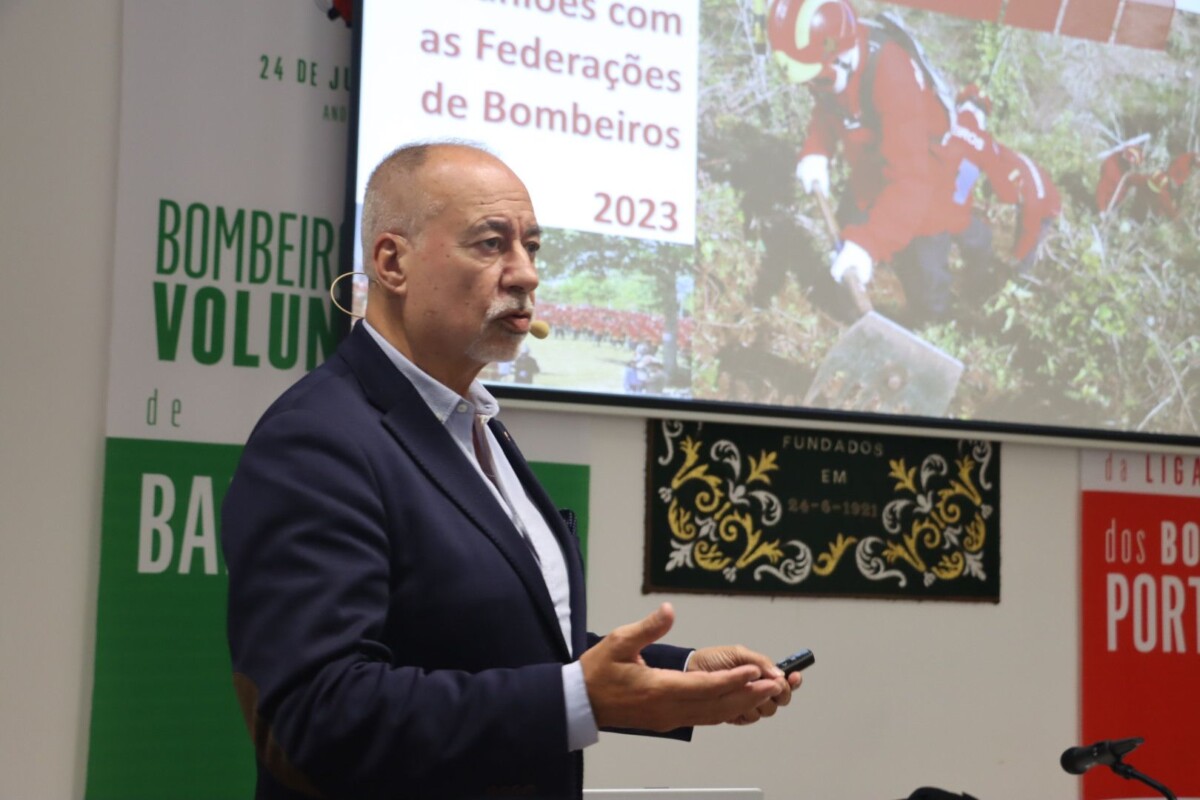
(425, 439)
(566, 537)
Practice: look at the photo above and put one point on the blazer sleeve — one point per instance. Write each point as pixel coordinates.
(306, 542)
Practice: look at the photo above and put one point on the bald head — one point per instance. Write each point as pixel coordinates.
(403, 191)
(450, 237)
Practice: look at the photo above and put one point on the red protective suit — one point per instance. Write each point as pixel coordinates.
(1014, 177)
(969, 151)
(890, 143)
(1113, 185)
(1029, 186)
(1165, 187)
(1181, 168)
(1158, 191)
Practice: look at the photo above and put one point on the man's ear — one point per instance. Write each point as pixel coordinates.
(390, 262)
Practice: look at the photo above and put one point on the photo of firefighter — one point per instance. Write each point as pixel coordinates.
(912, 212)
(1015, 203)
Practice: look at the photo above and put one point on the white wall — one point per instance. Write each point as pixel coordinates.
(969, 697)
(58, 145)
(964, 696)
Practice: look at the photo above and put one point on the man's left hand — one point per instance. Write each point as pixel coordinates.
(711, 659)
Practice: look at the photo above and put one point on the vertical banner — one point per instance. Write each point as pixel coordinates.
(233, 131)
(1140, 617)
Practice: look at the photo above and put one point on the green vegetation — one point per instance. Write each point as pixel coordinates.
(1105, 329)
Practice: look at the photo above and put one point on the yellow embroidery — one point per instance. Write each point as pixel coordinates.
(736, 528)
(721, 514)
(827, 562)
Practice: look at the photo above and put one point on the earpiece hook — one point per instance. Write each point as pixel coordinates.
(333, 293)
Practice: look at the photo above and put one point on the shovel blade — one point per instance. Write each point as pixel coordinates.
(879, 366)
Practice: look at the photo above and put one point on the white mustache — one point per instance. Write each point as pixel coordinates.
(504, 306)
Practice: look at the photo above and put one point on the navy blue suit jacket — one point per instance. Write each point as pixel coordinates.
(391, 632)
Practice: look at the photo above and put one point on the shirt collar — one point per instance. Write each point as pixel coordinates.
(441, 399)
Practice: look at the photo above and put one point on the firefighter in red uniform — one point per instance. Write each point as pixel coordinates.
(1038, 202)
(1118, 174)
(971, 152)
(969, 149)
(878, 103)
(1014, 177)
(1177, 175)
(1164, 188)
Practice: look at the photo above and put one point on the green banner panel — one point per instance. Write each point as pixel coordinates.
(567, 485)
(165, 722)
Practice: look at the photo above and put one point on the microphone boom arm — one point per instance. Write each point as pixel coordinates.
(1078, 760)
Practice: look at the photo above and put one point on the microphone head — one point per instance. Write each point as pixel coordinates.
(539, 328)
(1078, 760)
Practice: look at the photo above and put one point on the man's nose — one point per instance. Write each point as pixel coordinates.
(520, 273)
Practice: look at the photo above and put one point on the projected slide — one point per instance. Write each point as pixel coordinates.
(932, 209)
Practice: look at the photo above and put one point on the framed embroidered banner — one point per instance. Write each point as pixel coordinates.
(784, 511)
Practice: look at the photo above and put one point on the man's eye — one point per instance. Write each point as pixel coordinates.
(533, 247)
(493, 243)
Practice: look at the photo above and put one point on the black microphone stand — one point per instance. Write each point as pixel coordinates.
(1129, 773)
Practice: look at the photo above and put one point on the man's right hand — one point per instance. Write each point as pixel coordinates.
(625, 693)
(813, 174)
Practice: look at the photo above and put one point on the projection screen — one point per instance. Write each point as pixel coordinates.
(1007, 184)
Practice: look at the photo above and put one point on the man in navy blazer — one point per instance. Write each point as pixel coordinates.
(406, 606)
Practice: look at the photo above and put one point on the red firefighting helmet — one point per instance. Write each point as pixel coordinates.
(807, 36)
(971, 93)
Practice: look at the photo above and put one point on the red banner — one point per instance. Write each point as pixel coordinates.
(983, 10)
(1140, 617)
(1141, 23)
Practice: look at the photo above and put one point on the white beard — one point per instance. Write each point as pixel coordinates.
(495, 346)
(495, 342)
